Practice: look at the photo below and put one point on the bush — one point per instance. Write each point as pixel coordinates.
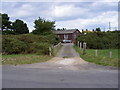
(100, 40)
(13, 46)
(28, 43)
(42, 48)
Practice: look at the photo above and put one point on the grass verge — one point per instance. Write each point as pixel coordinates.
(16, 59)
(102, 58)
(24, 59)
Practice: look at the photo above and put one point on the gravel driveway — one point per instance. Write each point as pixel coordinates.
(67, 56)
(67, 51)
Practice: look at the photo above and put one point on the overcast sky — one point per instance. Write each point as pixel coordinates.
(70, 15)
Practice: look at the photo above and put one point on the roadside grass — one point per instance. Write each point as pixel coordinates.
(0, 59)
(102, 58)
(16, 59)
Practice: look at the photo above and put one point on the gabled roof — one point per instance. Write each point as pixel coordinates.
(65, 31)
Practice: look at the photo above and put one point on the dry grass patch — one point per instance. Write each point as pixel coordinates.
(24, 59)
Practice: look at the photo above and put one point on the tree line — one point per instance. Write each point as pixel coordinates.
(100, 39)
(17, 39)
(17, 27)
(97, 30)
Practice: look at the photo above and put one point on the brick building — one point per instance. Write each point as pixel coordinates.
(69, 34)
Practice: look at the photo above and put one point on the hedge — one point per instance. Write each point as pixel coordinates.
(28, 43)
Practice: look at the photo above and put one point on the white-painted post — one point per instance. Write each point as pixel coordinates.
(84, 48)
(96, 52)
(110, 54)
(85, 45)
(50, 53)
(80, 45)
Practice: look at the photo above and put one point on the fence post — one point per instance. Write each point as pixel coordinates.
(84, 48)
(50, 53)
(96, 52)
(110, 54)
(78, 43)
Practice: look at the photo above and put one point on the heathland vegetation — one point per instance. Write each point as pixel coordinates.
(16, 38)
(100, 39)
(104, 43)
(18, 42)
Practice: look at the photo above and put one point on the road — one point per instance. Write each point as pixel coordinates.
(71, 72)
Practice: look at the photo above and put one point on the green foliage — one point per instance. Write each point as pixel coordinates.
(20, 27)
(43, 26)
(98, 29)
(17, 27)
(6, 32)
(42, 48)
(28, 43)
(13, 45)
(6, 24)
(100, 40)
(102, 58)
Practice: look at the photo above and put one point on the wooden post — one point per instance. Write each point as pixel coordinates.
(84, 48)
(96, 52)
(110, 54)
(50, 53)
(85, 45)
(78, 43)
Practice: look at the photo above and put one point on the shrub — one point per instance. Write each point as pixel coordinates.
(13, 46)
(28, 43)
(100, 40)
(41, 48)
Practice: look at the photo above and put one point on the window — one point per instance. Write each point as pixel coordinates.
(65, 36)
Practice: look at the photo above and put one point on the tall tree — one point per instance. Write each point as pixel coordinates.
(6, 24)
(98, 29)
(86, 29)
(20, 27)
(43, 26)
(58, 29)
(93, 30)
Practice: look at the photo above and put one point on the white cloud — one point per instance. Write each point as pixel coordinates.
(72, 15)
(103, 19)
(100, 4)
(22, 11)
(68, 10)
(60, 0)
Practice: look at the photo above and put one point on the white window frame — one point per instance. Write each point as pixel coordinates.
(65, 36)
